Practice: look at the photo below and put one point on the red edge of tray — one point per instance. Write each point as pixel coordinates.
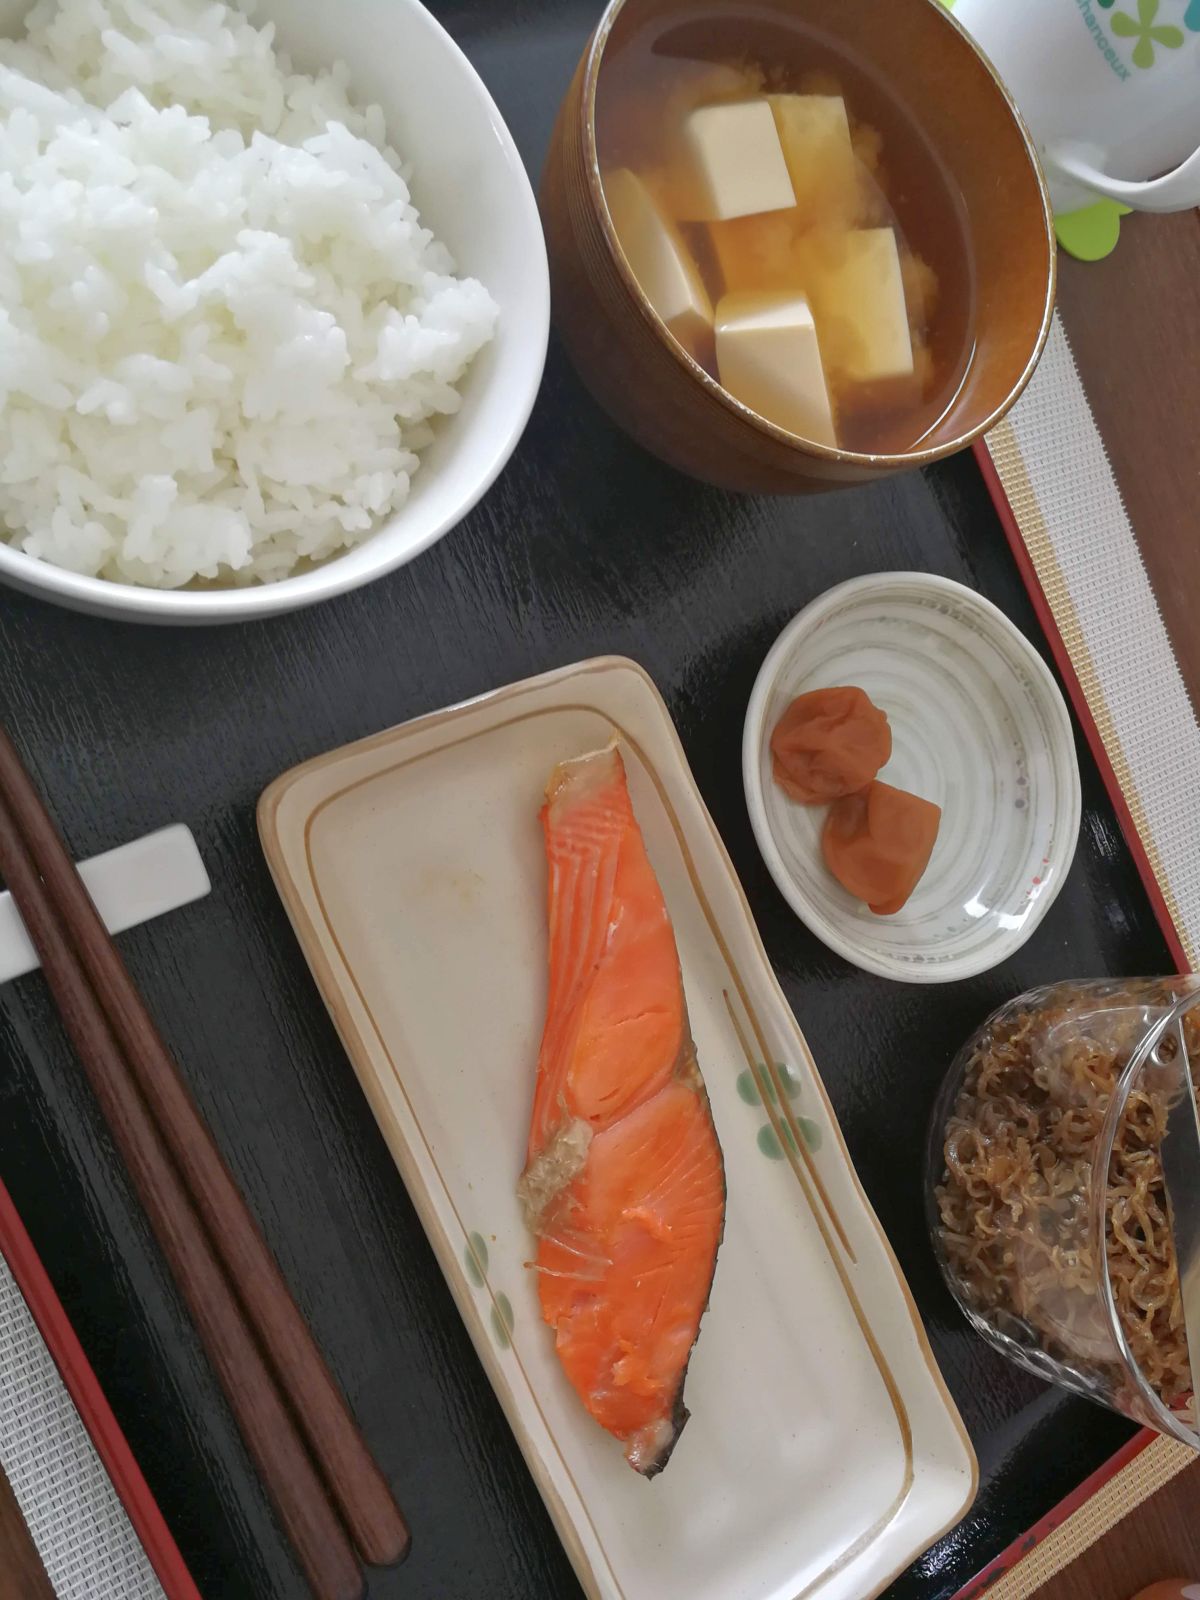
(1021, 1547)
(84, 1389)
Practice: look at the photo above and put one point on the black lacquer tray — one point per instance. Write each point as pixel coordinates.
(585, 546)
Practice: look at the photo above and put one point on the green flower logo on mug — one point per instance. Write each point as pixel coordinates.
(1191, 17)
(1147, 30)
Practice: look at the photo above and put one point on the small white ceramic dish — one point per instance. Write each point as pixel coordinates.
(471, 188)
(823, 1452)
(978, 726)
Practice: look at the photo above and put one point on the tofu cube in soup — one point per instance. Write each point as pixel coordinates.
(857, 294)
(768, 357)
(734, 162)
(658, 258)
(814, 133)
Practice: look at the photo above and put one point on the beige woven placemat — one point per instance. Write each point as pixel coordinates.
(1051, 461)
(1052, 465)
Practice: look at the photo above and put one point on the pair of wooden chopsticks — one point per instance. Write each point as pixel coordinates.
(22, 1575)
(328, 1492)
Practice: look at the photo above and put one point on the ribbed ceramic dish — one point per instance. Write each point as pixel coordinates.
(823, 1453)
(978, 726)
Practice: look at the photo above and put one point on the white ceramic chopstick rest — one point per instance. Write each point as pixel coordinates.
(130, 885)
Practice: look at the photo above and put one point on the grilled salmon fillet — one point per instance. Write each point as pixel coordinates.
(623, 1185)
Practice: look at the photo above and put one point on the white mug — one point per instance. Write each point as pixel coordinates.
(1110, 90)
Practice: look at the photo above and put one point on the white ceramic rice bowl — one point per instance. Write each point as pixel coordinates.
(471, 188)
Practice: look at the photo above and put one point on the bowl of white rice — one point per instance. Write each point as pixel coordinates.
(273, 300)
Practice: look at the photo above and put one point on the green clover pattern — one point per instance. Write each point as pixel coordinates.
(475, 1259)
(1147, 31)
(768, 1140)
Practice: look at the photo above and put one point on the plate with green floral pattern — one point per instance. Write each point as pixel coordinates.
(823, 1452)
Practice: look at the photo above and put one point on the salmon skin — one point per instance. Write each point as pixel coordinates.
(624, 1184)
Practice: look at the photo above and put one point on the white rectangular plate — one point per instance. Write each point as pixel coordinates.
(823, 1453)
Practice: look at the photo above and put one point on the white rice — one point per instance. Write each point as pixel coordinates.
(224, 333)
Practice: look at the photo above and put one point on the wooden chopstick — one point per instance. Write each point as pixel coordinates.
(22, 1575)
(339, 1450)
(270, 1434)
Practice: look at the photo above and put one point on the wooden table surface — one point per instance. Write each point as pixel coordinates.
(22, 1575)
(1134, 325)
(584, 546)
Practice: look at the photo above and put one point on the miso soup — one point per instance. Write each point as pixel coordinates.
(790, 224)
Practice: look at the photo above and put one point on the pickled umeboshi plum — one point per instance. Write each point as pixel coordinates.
(877, 843)
(829, 743)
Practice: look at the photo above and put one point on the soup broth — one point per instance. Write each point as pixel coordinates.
(791, 224)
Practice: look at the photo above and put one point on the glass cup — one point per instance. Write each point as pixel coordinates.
(1046, 1194)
